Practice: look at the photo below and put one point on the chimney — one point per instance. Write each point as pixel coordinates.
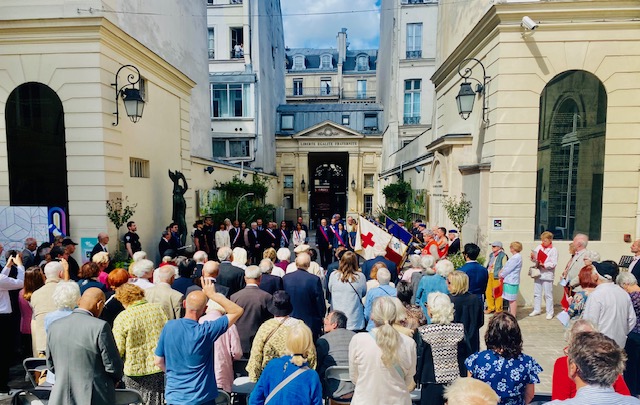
(342, 45)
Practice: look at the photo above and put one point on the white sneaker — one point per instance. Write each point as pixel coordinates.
(549, 316)
(534, 313)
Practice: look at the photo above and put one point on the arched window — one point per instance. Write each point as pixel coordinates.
(362, 62)
(326, 62)
(571, 142)
(298, 62)
(36, 150)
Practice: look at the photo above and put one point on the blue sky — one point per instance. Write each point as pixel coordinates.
(315, 23)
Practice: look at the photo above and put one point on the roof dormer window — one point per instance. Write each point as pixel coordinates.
(298, 62)
(326, 62)
(362, 62)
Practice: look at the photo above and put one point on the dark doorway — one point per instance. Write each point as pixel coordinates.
(328, 185)
(36, 147)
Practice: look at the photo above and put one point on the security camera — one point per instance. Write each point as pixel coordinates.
(528, 23)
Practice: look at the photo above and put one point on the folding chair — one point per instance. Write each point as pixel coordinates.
(33, 365)
(240, 368)
(340, 373)
(223, 398)
(128, 396)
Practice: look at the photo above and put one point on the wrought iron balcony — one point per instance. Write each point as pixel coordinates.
(312, 92)
(359, 95)
(414, 54)
(412, 120)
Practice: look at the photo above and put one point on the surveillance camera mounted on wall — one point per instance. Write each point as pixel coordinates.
(528, 23)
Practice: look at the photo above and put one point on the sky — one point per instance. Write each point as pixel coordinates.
(315, 23)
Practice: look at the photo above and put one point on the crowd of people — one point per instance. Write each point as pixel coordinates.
(176, 329)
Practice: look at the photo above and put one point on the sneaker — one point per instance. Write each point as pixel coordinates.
(534, 313)
(549, 316)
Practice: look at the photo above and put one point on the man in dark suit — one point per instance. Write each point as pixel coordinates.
(454, 247)
(165, 244)
(270, 237)
(368, 265)
(255, 243)
(254, 301)
(29, 252)
(236, 237)
(269, 282)
(230, 276)
(478, 275)
(86, 362)
(324, 236)
(101, 246)
(306, 294)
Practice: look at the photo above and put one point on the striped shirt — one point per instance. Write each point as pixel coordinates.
(594, 395)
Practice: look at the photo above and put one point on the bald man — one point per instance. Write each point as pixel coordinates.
(210, 270)
(86, 362)
(101, 246)
(185, 348)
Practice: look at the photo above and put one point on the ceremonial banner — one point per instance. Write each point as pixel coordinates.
(399, 232)
(396, 251)
(370, 238)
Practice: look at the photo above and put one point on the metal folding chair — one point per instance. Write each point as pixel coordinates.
(340, 373)
(33, 365)
(128, 396)
(223, 398)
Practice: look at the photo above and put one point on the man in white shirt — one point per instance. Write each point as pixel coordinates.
(634, 267)
(609, 307)
(6, 333)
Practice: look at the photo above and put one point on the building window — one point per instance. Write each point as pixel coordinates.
(298, 62)
(229, 100)
(571, 150)
(405, 143)
(209, 2)
(297, 87)
(211, 43)
(362, 63)
(345, 120)
(368, 181)
(325, 86)
(287, 201)
(371, 122)
(237, 43)
(368, 204)
(232, 149)
(138, 168)
(362, 89)
(414, 41)
(412, 101)
(235, 1)
(286, 122)
(288, 181)
(325, 62)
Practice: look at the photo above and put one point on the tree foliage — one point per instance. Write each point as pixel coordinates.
(119, 211)
(458, 209)
(398, 199)
(250, 207)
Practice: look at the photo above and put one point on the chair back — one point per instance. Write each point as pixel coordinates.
(223, 398)
(240, 368)
(34, 365)
(128, 396)
(340, 373)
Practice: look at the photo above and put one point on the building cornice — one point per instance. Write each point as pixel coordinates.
(449, 140)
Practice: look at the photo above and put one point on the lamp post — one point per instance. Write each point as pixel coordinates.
(467, 95)
(133, 101)
(240, 199)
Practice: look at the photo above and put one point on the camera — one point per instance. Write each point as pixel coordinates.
(528, 23)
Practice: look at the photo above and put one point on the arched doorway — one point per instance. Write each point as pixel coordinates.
(36, 151)
(328, 188)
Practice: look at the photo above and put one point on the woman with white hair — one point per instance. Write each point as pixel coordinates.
(426, 263)
(443, 349)
(414, 260)
(65, 297)
(382, 363)
(434, 283)
(240, 258)
(284, 257)
(629, 283)
(141, 271)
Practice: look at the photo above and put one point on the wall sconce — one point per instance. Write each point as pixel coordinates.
(133, 102)
(466, 96)
(303, 184)
(353, 184)
(209, 169)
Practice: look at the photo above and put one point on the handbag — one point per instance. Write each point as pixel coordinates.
(534, 272)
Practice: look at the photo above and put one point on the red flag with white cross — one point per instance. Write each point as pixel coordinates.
(370, 239)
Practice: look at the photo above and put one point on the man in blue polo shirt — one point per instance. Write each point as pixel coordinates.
(185, 348)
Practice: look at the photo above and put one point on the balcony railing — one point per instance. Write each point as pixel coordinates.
(312, 92)
(237, 55)
(412, 120)
(358, 94)
(419, 1)
(414, 54)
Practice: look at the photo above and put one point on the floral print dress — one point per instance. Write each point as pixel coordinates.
(508, 377)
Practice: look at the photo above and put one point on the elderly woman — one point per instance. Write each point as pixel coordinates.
(382, 363)
(467, 390)
(415, 268)
(468, 308)
(434, 283)
(511, 373)
(373, 282)
(269, 282)
(141, 271)
(347, 286)
(102, 260)
(136, 331)
(305, 387)
(563, 387)
(65, 297)
(270, 340)
(629, 283)
(426, 263)
(240, 258)
(284, 256)
(510, 274)
(112, 307)
(588, 281)
(443, 350)
(545, 258)
(384, 289)
(88, 274)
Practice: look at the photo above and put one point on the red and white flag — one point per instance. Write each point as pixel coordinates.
(370, 239)
(396, 250)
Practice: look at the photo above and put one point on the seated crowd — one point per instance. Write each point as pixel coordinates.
(175, 332)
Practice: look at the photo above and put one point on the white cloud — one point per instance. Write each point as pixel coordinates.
(315, 23)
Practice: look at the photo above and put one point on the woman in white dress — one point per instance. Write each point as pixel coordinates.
(299, 236)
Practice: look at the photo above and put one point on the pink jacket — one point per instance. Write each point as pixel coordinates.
(227, 349)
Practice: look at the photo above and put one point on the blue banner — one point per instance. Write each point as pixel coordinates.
(396, 230)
